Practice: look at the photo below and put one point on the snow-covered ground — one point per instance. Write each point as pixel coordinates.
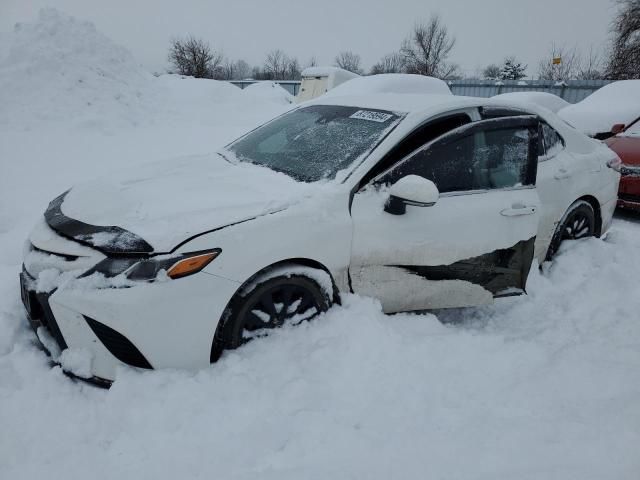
(539, 387)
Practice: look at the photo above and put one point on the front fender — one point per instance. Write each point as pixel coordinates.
(319, 230)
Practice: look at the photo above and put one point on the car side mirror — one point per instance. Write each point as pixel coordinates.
(617, 128)
(411, 190)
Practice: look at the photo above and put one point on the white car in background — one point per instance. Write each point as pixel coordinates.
(544, 99)
(421, 201)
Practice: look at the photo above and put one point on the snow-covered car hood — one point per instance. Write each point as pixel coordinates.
(159, 206)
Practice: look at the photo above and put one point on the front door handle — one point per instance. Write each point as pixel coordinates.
(517, 210)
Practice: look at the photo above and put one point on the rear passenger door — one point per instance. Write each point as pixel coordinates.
(475, 243)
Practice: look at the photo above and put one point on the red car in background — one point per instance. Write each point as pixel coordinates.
(626, 143)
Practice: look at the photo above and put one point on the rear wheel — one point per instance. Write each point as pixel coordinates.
(579, 222)
(272, 303)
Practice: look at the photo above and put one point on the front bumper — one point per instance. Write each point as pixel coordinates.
(167, 324)
(40, 316)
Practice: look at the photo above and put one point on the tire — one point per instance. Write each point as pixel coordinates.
(578, 222)
(271, 302)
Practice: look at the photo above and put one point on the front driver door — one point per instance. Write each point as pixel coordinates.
(475, 243)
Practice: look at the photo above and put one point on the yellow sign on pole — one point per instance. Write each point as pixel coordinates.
(557, 60)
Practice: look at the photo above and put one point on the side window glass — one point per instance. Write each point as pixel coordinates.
(552, 141)
(415, 140)
(447, 164)
(480, 161)
(503, 161)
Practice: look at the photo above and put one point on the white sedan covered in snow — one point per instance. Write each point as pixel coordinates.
(422, 201)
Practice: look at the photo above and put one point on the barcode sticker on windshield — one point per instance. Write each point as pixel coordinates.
(372, 116)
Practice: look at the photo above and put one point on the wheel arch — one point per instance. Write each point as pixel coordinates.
(298, 261)
(593, 201)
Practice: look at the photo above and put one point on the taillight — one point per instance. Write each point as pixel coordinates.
(615, 164)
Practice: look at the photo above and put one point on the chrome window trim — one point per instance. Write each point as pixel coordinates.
(487, 190)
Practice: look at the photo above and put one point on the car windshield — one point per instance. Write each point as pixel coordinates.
(315, 142)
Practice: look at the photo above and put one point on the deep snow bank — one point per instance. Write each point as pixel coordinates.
(539, 386)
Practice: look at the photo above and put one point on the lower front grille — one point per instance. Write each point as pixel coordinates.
(48, 320)
(38, 309)
(119, 346)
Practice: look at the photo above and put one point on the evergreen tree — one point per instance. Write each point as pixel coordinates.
(512, 69)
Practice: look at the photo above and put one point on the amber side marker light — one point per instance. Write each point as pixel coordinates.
(191, 265)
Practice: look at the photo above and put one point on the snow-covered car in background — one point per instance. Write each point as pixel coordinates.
(606, 111)
(627, 145)
(422, 201)
(544, 99)
(404, 83)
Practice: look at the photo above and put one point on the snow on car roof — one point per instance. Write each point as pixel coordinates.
(391, 83)
(618, 102)
(544, 99)
(398, 102)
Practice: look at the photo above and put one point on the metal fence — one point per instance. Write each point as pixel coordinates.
(291, 86)
(572, 90)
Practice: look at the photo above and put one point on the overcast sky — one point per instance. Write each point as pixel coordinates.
(486, 30)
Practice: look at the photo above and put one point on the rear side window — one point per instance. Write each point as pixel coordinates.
(484, 160)
(551, 140)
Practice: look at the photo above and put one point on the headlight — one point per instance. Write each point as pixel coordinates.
(176, 266)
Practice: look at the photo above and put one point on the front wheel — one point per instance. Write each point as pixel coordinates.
(579, 222)
(270, 303)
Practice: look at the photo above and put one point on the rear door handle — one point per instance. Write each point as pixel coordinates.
(517, 210)
(561, 174)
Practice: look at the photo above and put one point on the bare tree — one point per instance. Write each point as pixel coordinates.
(227, 70)
(293, 69)
(625, 56)
(491, 72)
(194, 57)
(391, 63)
(275, 65)
(591, 66)
(348, 60)
(241, 70)
(313, 62)
(426, 50)
(560, 63)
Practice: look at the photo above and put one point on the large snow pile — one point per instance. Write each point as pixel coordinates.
(269, 90)
(59, 64)
(547, 100)
(391, 83)
(617, 102)
(542, 386)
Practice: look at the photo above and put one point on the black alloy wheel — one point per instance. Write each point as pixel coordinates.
(278, 301)
(579, 222)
